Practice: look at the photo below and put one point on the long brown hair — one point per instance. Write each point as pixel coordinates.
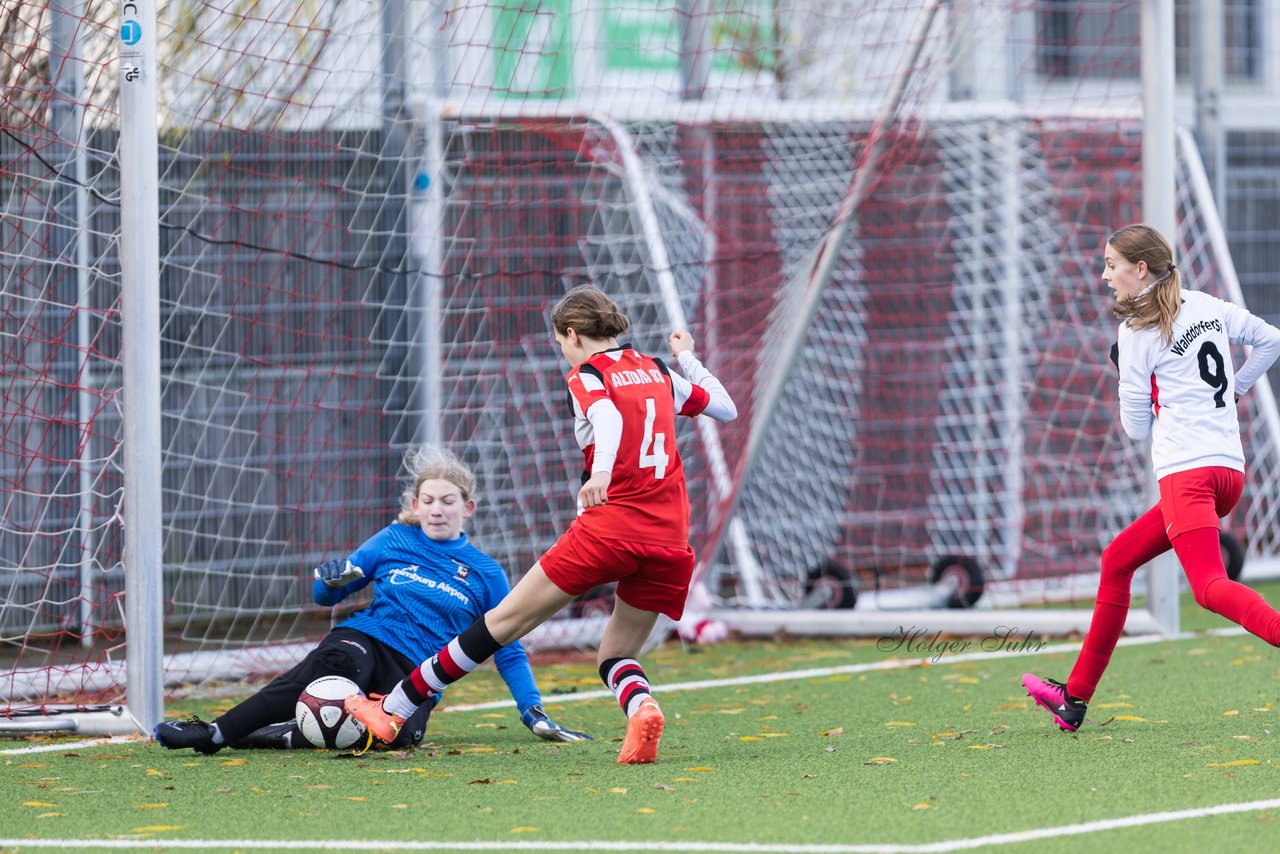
(590, 312)
(429, 462)
(1158, 306)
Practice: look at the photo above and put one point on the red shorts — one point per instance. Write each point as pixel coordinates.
(1198, 498)
(651, 578)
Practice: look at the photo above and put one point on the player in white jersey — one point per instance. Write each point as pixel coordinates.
(1177, 384)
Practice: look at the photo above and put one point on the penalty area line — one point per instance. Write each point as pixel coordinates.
(655, 845)
(848, 669)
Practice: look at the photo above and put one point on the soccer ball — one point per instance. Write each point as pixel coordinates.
(321, 717)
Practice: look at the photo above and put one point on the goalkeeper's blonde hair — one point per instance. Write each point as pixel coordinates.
(429, 462)
(1158, 305)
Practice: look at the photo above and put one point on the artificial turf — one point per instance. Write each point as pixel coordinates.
(920, 754)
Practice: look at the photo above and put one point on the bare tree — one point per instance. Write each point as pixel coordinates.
(207, 55)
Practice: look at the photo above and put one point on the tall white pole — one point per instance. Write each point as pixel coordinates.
(1159, 210)
(428, 217)
(72, 212)
(960, 46)
(140, 354)
(1013, 414)
(1207, 74)
(1158, 138)
(429, 237)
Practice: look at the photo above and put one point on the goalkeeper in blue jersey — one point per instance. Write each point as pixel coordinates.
(430, 583)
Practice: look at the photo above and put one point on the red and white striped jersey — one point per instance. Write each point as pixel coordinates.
(1183, 392)
(648, 501)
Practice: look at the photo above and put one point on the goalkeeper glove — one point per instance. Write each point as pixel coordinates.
(546, 729)
(338, 572)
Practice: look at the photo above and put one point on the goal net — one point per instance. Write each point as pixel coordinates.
(366, 210)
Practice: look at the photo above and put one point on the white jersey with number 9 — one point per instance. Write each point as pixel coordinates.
(1184, 392)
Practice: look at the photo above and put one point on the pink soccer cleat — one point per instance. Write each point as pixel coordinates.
(1067, 711)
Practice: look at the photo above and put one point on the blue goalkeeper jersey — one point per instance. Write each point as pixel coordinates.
(425, 594)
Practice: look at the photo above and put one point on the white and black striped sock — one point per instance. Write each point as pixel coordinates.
(626, 679)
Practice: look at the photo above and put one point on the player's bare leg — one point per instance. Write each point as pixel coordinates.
(529, 604)
(624, 637)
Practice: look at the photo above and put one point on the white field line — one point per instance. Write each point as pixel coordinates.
(757, 679)
(69, 745)
(845, 669)
(649, 844)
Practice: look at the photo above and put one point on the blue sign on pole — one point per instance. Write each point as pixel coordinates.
(131, 32)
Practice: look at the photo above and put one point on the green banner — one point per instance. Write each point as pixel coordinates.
(644, 35)
(533, 49)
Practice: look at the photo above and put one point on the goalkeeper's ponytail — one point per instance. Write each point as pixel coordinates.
(1157, 305)
(429, 462)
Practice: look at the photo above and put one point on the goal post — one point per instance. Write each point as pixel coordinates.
(139, 239)
(1159, 172)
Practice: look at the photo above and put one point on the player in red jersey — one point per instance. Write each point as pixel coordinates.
(632, 525)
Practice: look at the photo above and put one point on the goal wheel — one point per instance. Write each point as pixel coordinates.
(962, 572)
(830, 586)
(1232, 554)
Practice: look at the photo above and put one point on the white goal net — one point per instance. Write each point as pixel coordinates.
(366, 210)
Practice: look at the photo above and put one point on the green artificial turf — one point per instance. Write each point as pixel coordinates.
(927, 753)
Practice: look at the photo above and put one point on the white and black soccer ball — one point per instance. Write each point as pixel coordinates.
(321, 717)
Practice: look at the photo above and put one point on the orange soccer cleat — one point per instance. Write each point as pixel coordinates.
(383, 725)
(644, 730)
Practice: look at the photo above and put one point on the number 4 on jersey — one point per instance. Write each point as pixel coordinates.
(653, 452)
